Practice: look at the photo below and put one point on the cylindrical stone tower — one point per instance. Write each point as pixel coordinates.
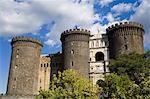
(24, 66)
(125, 38)
(75, 50)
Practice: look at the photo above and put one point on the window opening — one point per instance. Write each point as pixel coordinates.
(99, 56)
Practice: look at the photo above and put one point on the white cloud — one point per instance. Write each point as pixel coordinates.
(110, 17)
(142, 15)
(29, 16)
(104, 2)
(122, 7)
(50, 42)
(97, 28)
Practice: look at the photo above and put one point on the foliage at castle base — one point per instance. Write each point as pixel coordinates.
(129, 78)
(70, 85)
(136, 66)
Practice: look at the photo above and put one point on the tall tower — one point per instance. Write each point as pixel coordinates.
(24, 66)
(125, 38)
(75, 50)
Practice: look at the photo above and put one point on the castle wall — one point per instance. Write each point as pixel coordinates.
(56, 63)
(24, 66)
(125, 38)
(44, 72)
(75, 48)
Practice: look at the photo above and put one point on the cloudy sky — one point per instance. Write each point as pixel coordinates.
(47, 19)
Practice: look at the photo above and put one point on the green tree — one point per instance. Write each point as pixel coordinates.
(145, 88)
(120, 87)
(70, 84)
(136, 66)
(147, 54)
(129, 77)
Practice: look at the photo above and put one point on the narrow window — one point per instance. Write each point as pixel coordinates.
(44, 65)
(14, 79)
(126, 47)
(72, 51)
(41, 65)
(17, 56)
(47, 64)
(125, 38)
(72, 63)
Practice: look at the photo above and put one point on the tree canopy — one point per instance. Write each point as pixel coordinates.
(70, 84)
(129, 77)
(136, 66)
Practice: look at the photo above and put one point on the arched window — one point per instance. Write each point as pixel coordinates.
(99, 56)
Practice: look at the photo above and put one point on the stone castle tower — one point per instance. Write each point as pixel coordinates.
(125, 38)
(24, 66)
(75, 50)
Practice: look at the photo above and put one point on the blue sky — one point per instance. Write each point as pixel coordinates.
(47, 19)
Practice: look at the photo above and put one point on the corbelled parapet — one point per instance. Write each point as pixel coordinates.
(26, 39)
(125, 25)
(125, 38)
(75, 31)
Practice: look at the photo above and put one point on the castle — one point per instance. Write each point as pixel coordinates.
(89, 54)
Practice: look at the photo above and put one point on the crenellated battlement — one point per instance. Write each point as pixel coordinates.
(26, 39)
(76, 30)
(125, 25)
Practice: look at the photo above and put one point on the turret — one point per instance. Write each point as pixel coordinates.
(125, 38)
(24, 66)
(75, 50)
